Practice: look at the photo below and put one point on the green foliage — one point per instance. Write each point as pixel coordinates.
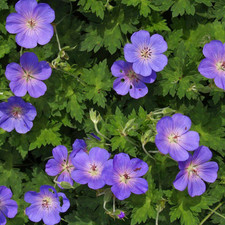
(92, 35)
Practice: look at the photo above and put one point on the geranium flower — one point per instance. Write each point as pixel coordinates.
(78, 145)
(8, 207)
(196, 170)
(175, 138)
(124, 176)
(213, 66)
(128, 81)
(31, 23)
(28, 76)
(89, 167)
(61, 165)
(17, 114)
(145, 52)
(46, 205)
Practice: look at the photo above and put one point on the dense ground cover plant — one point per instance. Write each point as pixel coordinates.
(94, 41)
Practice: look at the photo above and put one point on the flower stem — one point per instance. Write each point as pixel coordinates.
(157, 218)
(143, 147)
(211, 213)
(21, 51)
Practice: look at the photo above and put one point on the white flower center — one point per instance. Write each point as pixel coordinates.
(31, 23)
(173, 138)
(124, 178)
(146, 53)
(16, 112)
(46, 203)
(220, 66)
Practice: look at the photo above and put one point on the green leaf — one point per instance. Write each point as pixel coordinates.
(183, 6)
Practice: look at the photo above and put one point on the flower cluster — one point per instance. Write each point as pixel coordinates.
(96, 169)
(32, 24)
(173, 137)
(144, 58)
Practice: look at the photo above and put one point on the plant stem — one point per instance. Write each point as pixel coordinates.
(57, 37)
(217, 213)
(97, 130)
(21, 51)
(114, 204)
(210, 214)
(143, 147)
(157, 218)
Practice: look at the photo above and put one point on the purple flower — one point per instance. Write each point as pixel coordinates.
(128, 81)
(121, 215)
(145, 53)
(28, 76)
(61, 165)
(17, 114)
(8, 207)
(175, 138)
(194, 170)
(78, 145)
(89, 167)
(31, 23)
(213, 66)
(46, 205)
(124, 176)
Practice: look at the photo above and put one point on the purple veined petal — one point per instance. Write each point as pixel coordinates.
(131, 53)
(162, 143)
(31, 112)
(66, 177)
(121, 191)
(214, 50)
(189, 140)
(27, 39)
(208, 171)
(44, 33)
(35, 212)
(201, 155)
(19, 87)
(29, 61)
(150, 79)
(165, 125)
(81, 160)
(121, 86)
(11, 208)
(44, 13)
(46, 190)
(158, 44)
(22, 126)
(178, 153)
(78, 145)
(96, 183)
(138, 89)
(207, 68)
(45, 71)
(141, 37)
(32, 197)
(139, 167)
(13, 72)
(53, 167)
(25, 6)
(66, 203)
(51, 217)
(5, 193)
(181, 123)
(120, 68)
(60, 153)
(36, 88)
(7, 123)
(80, 176)
(2, 219)
(138, 186)
(220, 82)
(97, 154)
(196, 186)
(121, 162)
(158, 62)
(181, 180)
(142, 67)
(15, 23)
(108, 172)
